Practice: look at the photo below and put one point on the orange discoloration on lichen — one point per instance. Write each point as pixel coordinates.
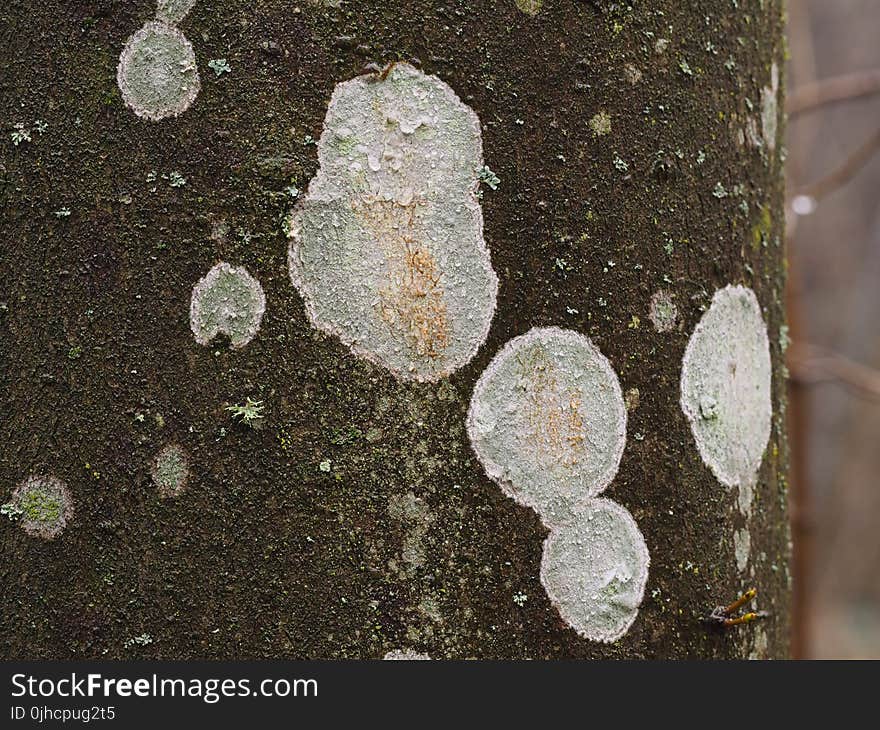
(412, 302)
(556, 426)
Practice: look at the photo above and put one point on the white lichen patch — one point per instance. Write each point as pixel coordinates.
(770, 108)
(173, 11)
(742, 547)
(42, 505)
(157, 72)
(228, 300)
(725, 388)
(406, 655)
(387, 248)
(594, 570)
(547, 420)
(170, 471)
(663, 312)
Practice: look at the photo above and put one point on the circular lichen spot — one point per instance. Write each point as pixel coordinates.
(725, 386)
(173, 11)
(228, 300)
(157, 72)
(170, 471)
(42, 505)
(387, 247)
(547, 420)
(594, 570)
(663, 312)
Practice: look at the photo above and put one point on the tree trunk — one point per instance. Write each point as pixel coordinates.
(226, 466)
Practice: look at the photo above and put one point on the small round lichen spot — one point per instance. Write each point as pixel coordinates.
(548, 422)
(157, 72)
(663, 312)
(406, 655)
(170, 471)
(594, 570)
(173, 11)
(387, 247)
(530, 7)
(228, 300)
(42, 505)
(725, 386)
(600, 124)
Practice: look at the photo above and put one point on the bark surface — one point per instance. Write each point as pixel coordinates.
(632, 158)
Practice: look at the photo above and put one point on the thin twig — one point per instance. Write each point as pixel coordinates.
(843, 174)
(837, 89)
(809, 364)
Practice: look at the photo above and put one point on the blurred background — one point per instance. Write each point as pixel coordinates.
(833, 230)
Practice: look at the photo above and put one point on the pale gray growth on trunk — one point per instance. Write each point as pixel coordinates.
(157, 72)
(725, 386)
(548, 421)
(228, 300)
(387, 248)
(595, 569)
(43, 506)
(173, 11)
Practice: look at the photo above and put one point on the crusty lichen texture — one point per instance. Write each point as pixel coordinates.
(595, 569)
(548, 421)
(44, 506)
(387, 248)
(157, 72)
(725, 388)
(170, 471)
(173, 11)
(226, 300)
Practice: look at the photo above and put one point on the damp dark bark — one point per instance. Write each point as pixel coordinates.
(356, 519)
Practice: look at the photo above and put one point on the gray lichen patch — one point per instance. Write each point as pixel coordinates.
(406, 655)
(387, 248)
(170, 471)
(725, 387)
(742, 546)
(43, 506)
(173, 11)
(157, 72)
(663, 312)
(228, 300)
(547, 420)
(594, 570)
(414, 514)
(770, 109)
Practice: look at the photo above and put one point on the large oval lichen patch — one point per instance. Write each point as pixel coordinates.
(387, 248)
(725, 386)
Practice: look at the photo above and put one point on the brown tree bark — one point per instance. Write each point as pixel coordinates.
(356, 519)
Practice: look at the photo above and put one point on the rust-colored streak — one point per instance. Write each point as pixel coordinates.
(411, 303)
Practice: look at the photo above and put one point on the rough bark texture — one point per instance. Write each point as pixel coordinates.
(404, 543)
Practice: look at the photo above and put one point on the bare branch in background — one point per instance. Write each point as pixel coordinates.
(843, 174)
(809, 364)
(813, 96)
